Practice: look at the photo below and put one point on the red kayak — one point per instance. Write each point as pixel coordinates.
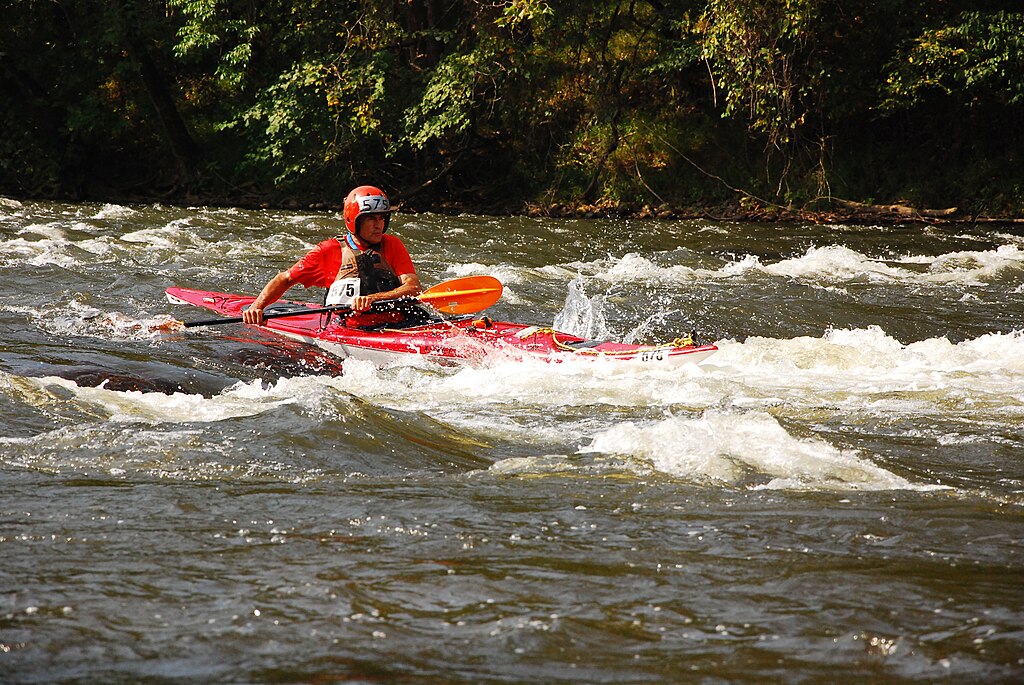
(409, 329)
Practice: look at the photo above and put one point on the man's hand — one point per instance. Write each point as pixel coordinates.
(253, 315)
(274, 289)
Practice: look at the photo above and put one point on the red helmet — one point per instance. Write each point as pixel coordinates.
(366, 200)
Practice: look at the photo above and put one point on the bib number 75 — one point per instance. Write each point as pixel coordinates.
(343, 291)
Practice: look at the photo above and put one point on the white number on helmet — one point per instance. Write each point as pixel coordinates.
(374, 203)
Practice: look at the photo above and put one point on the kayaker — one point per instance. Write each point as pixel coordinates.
(363, 266)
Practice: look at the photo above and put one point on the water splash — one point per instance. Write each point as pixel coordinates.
(76, 318)
(582, 315)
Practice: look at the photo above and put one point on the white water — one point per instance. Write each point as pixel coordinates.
(836, 494)
(834, 263)
(738, 418)
(725, 420)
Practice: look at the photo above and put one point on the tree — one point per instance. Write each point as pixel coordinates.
(84, 92)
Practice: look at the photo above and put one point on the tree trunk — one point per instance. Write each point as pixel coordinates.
(183, 146)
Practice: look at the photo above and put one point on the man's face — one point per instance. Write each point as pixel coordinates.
(370, 228)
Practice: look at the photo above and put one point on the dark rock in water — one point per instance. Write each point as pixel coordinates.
(241, 359)
(120, 382)
(281, 362)
(274, 357)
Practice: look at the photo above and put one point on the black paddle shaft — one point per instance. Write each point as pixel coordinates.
(402, 303)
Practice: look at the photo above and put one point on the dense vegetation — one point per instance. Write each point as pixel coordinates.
(505, 104)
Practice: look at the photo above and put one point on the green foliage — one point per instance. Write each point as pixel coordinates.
(449, 99)
(306, 81)
(979, 59)
(207, 25)
(765, 58)
(638, 103)
(76, 110)
(762, 56)
(521, 12)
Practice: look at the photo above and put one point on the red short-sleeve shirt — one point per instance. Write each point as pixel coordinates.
(320, 266)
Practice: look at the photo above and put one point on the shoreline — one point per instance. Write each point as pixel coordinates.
(842, 211)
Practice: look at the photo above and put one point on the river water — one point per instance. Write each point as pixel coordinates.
(837, 495)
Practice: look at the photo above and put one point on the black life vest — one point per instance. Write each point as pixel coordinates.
(374, 273)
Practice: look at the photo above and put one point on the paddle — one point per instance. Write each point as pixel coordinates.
(466, 295)
(457, 296)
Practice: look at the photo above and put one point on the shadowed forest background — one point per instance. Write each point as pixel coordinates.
(656, 106)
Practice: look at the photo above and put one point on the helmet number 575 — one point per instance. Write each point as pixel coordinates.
(373, 203)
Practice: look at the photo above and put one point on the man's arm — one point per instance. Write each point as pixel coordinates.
(271, 293)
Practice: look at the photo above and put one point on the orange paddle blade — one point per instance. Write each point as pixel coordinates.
(463, 295)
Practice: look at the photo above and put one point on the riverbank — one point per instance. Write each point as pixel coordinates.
(839, 212)
(823, 212)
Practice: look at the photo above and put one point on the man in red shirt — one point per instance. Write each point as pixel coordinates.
(361, 267)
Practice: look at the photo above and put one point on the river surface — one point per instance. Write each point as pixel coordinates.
(837, 495)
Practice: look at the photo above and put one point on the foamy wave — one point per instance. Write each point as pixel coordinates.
(574, 396)
(868, 373)
(55, 246)
(506, 274)
(242, 399)
(975, 266)
(837, 263)
(577, 383)
(856, 351)
(110, 211)
(172, 236)
(834, 263)
(750, 449)
(54, 232)
(633, 267)
(83, 320)
(49, 250)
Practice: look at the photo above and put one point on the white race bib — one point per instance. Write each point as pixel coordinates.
(343, 291)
